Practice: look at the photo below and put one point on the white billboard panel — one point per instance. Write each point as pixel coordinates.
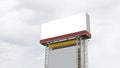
(65, 25)
(63, 58)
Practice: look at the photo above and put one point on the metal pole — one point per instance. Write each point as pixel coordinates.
(46, 55)
(81, 52)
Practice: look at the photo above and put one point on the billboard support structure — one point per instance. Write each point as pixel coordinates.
(77, 39)
(81, 51)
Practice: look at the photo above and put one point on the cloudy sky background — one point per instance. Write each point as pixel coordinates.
(20, 25)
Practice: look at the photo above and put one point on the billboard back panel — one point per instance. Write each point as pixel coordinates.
(63, 58)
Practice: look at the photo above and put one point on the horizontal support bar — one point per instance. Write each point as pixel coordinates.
(62, 44)
(85, 34)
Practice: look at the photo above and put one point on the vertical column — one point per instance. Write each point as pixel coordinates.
(46, 55)
(86, 53)
(78, 52)
(81, 52)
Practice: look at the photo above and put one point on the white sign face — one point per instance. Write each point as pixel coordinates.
(63, 58)
(65, 25)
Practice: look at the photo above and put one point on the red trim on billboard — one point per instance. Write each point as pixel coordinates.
(80, 33)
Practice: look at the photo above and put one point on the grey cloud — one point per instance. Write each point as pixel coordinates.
(18, 37)
(9, 55)
(22, 57)
(60, 8)
(15, 27)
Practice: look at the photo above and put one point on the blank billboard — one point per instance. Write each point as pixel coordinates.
(65, 25)
(63, 58)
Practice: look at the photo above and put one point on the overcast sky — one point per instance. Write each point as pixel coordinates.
(20, 25)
